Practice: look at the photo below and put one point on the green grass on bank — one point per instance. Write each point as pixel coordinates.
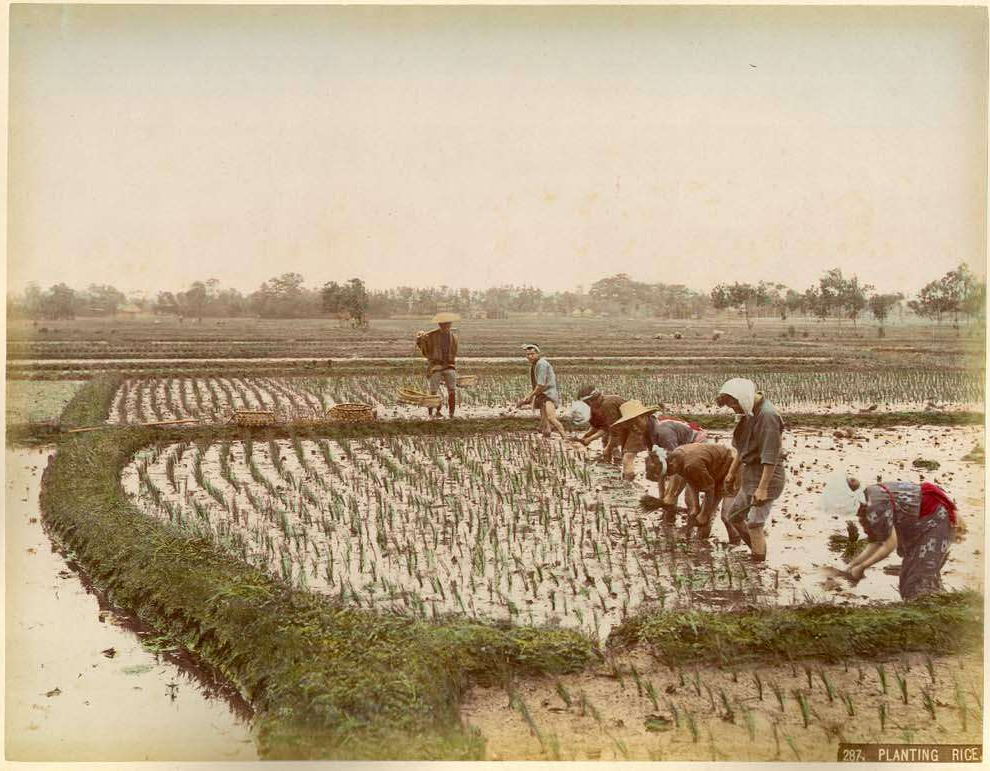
(946, 623)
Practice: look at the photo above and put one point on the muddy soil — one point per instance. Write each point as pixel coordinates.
(85, 682)
(611, 719)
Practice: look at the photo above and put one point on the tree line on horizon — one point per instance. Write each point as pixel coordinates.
(958, 293)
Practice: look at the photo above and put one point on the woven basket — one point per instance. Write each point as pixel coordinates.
(418, 398)
(467, 380)
(253, 418)
(351, 412)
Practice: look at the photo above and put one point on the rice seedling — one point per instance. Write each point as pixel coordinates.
(803, 705)
(882, 675)
(928, 702)
(882, 712)
(564, 694)
(848, 702)
(790, 743)
(961, 704)
(692, 726)
(758, 682)
(902, 686)
(829, 690)
(778, 692)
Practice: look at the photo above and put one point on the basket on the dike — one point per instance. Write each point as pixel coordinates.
(351, 412)
(253, 418)
(418, 398)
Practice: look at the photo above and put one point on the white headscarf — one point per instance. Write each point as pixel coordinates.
(837, 497)
(743, 391)
(661, 455)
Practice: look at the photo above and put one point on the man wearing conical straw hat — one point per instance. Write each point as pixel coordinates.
(440, 349)
(638, 429)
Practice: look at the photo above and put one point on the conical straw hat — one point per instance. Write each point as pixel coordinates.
(444, 318)
(633, 409)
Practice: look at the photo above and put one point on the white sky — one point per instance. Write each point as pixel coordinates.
(152, 146)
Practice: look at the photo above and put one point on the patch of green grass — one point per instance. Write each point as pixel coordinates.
(30, 401)
(326, 680)
(946, 622)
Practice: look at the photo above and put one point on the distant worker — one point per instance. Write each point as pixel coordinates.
(918, 520)
(440, 349)
(604, 412)
(758, 468)
(544, 395)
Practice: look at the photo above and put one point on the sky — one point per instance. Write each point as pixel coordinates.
(151, 146)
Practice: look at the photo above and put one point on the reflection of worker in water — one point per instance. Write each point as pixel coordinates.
(918, 520)
(758, 466)
(704, 467)
(604, 412)
(440, 349)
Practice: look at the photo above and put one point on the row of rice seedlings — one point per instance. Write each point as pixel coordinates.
(441, 527)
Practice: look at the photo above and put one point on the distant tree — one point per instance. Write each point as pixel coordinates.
(32, 301)
(59, 302)
(193, 301)
(165, 302)
(105, 298)
(853, 297)
(974, 300)
(795, 302)
(743, 297)
(357, 302)
(935, 299)
(350, 299)
(881, 305)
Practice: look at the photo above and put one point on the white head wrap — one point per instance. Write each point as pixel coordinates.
(743, 391)
(661, 454)
(837, 497)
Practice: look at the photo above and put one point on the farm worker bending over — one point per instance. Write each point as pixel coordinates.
(440, 349)
(759, 464)
(544, 396)
(919, 520)
(668, 434)
(638, 429)
(704, 467)
(604, 412)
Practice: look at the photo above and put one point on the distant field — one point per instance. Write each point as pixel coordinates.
(88, 339)
(29, 402)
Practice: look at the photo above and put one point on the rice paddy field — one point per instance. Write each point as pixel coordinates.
(392, 536)
(518, 529)
(214, 399)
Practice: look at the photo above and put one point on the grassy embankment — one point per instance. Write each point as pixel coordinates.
(332, 681)
(948, 623)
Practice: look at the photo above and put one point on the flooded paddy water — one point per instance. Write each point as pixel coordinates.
(530, 530)
(85, 682)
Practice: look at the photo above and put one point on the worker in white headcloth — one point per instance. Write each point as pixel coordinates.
(758, 467)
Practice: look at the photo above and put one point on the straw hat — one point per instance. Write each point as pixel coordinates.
(633, 409)
(446, 318)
